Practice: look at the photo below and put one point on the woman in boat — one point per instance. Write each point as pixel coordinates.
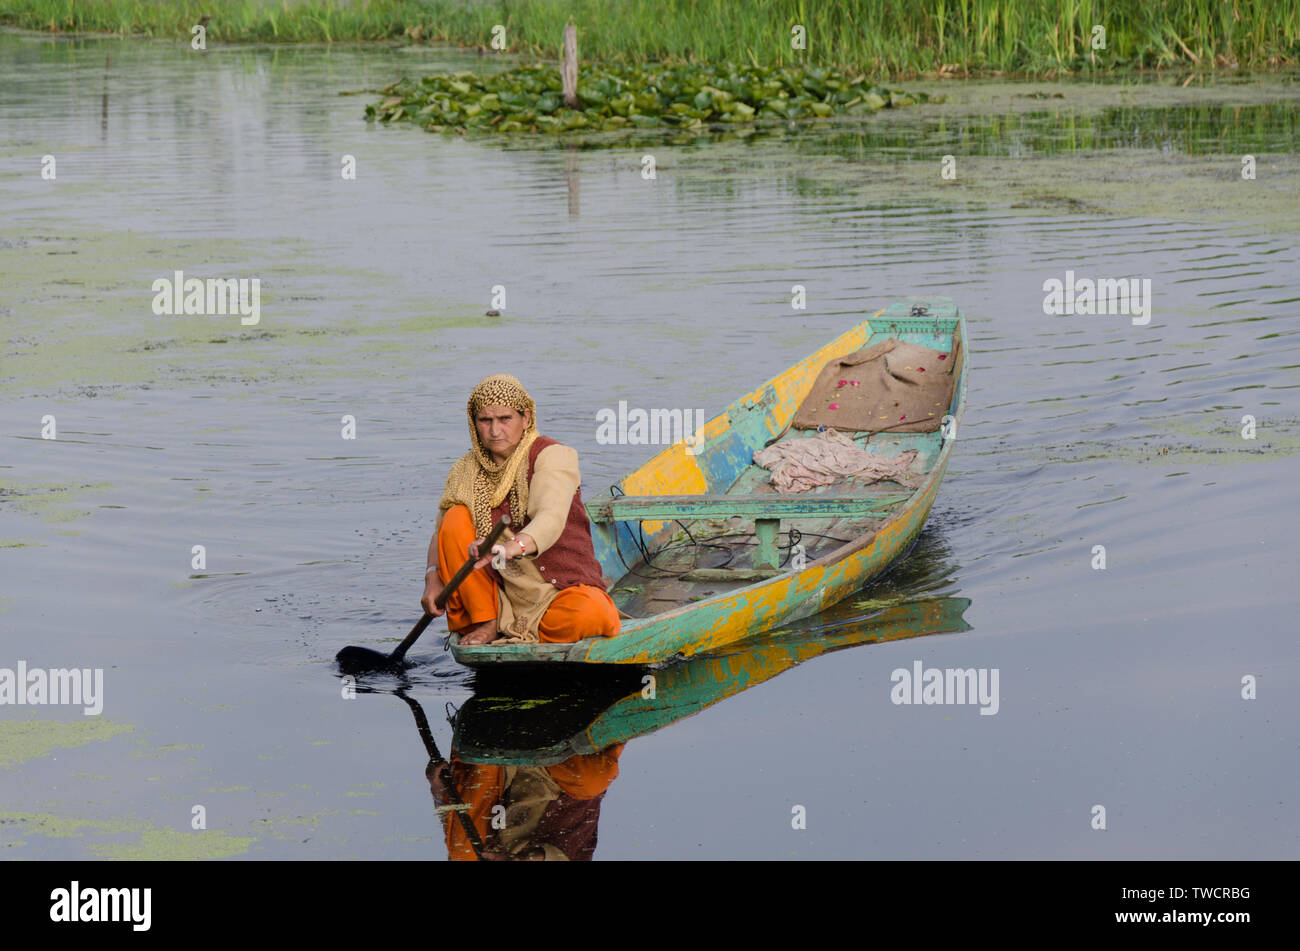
(550, 589)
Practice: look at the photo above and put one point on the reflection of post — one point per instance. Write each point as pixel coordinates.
(103, 103)
(571, 178)
(569, 69)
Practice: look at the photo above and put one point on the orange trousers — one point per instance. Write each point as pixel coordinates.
(578, 612)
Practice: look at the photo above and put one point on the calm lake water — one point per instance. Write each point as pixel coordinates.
(1121, 688)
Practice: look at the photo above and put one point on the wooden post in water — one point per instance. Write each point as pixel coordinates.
(569, 67)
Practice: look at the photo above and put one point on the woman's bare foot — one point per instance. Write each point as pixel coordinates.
(483, 633)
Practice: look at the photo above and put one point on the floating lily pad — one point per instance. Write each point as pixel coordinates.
(688, 97)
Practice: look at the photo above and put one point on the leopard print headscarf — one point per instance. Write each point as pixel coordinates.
(476, 479)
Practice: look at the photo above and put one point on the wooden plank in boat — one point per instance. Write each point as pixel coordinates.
(634, 507)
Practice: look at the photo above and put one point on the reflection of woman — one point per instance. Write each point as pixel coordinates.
(551, 588)
(528, 812)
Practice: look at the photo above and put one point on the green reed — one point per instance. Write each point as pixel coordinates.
(888, 37)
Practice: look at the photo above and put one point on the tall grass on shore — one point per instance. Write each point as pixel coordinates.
(890, 37)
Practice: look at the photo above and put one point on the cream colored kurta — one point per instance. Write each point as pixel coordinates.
(527, 591)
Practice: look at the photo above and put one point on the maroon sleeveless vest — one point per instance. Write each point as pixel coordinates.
(572, 559)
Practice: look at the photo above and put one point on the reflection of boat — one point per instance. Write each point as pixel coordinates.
(708, 498)
(583, 718)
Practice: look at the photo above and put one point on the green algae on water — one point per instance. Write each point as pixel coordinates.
(22, 740)
(47, 501)
(113, 352)
(150, 842)
(170, 845)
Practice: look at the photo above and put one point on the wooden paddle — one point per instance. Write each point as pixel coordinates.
(355, 660)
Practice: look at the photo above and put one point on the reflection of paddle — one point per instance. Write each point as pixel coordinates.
(356, 660)
(443, 768)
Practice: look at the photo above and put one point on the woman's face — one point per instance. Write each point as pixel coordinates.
(500, 428)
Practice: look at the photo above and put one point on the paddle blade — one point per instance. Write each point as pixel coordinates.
(360, 660)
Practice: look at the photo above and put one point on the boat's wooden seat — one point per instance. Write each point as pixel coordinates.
(759, 508)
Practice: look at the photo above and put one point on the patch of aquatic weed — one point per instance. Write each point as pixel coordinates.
(1182, 442)
(683, 98)
(99, 326)
(22, 740)
(148, 842)
(103, 340)
(1123, 183)
(292, 827)
(1107, 150)
(50, 502)
(149, 345)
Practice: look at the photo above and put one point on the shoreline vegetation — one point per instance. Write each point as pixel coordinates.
(886, 38)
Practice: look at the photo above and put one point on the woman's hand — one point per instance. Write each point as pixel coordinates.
(514, 548)
(432, 588)
(484, 560)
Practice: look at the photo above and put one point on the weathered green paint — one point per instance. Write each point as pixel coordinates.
(725, 453)
(766, 554)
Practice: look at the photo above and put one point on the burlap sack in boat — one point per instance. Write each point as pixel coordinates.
(892, 385)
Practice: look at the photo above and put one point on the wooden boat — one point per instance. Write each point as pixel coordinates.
(709, 498)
